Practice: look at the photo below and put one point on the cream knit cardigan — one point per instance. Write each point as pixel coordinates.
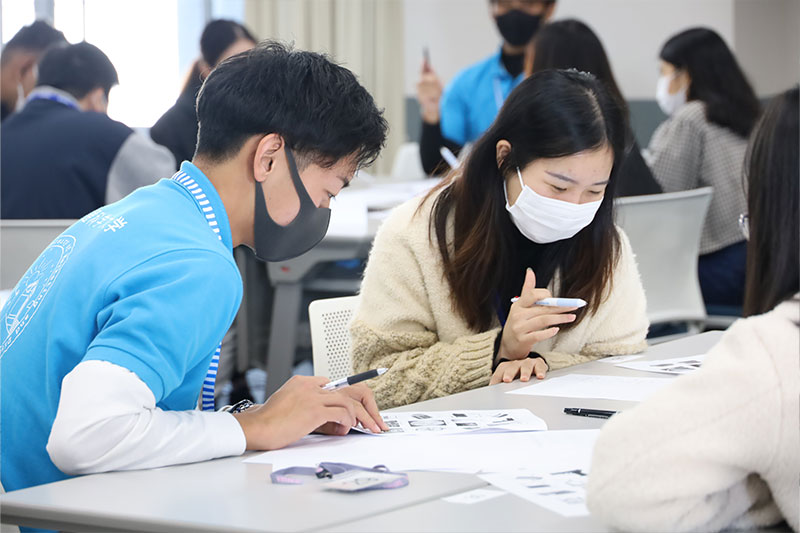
(406, 321)
(719, 448)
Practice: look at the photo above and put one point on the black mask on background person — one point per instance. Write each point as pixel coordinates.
(274, 242)
(518, 27)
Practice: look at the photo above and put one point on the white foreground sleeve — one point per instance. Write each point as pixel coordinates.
(107, 419)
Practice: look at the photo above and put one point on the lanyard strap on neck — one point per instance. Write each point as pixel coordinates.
(54, 97)
(186, 181)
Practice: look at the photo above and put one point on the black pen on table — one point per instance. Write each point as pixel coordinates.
(358, 378)
(591, 413)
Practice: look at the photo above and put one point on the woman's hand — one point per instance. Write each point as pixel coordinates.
(529, 323)
(523, 368)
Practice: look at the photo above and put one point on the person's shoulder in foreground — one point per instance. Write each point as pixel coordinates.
(716, 449)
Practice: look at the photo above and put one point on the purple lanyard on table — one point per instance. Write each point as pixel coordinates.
(186, 181)
(288, 476)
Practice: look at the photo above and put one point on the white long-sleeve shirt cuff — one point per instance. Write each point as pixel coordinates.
(107, 419)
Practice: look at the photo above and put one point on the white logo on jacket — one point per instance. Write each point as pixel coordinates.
(29, 293)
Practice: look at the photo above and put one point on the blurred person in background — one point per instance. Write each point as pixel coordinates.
(63, 157)
(18, 63)
(467, 107)
(712, 109)
(570, 43)
(177, 128)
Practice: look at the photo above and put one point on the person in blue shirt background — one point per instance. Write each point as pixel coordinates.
(109, 337)
(471, 101)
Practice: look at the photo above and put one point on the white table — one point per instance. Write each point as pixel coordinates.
(508, 512)
(221, 495)
(228, 495)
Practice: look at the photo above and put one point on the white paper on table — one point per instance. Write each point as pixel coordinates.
(563, 492)
(464, 421)
(474, 496)
(467, 453)
(675, 367)
(619, 359)
(631, 389)
(348, 217)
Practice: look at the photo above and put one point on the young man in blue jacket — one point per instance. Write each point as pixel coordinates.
(111, 334)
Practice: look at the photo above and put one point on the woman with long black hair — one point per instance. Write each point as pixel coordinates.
(718, 448)
(177, 128)
(532, 207)
(712, 110)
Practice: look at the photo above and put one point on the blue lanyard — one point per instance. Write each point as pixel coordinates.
(54, 97)
(183, 179)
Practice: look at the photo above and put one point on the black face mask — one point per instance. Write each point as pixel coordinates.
(274, 242)
(518, 27)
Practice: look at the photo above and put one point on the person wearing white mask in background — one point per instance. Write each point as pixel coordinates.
(529, 215)
(712, 109)
(18, 63)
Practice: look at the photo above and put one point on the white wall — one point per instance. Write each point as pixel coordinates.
(460, 32)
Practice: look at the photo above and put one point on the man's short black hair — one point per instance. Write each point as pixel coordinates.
(318, 107)
(36, 37)
(77, 69)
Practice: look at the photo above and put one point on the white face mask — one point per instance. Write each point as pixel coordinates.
(669, 103)
(544, 220)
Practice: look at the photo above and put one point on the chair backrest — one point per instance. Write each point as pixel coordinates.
(664, 231)
(7, 528)
(407, 164)
(330, 335)
(21, 242)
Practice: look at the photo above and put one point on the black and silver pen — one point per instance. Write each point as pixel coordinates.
(358, 378)
(591, 413)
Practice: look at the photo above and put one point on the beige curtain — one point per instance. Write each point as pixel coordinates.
(365, 36)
